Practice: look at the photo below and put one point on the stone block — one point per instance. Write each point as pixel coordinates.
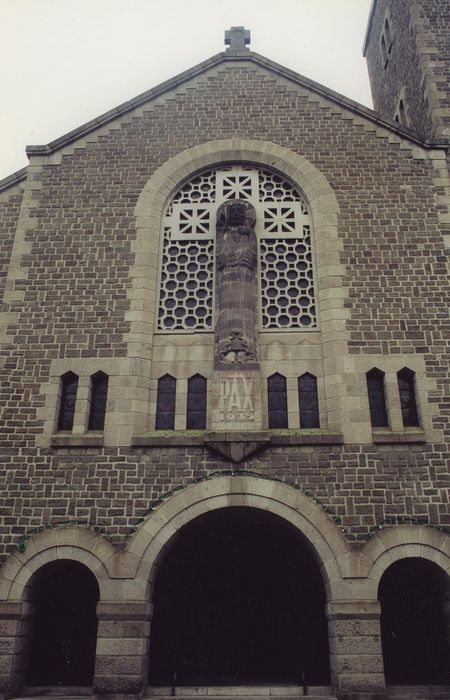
(121, 647)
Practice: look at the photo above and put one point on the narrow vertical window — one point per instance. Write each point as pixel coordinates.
(384, 51)
(165, 403)
(400, 113)
(277, 401)
(387, 34)
(69, 386)
(99, 390)
(386, 42)
(308, 401)
(196, 403)
(377, 399)
(406, 388)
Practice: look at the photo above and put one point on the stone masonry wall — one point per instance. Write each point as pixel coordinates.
(75, 302)
(419, 62)
(437, 14)
(361, 487)
(10, 203)
(403, 69)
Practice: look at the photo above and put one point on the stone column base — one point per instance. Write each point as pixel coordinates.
(121, 666)
(355, 650)
(15, 628)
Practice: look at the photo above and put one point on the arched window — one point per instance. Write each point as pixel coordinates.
(283, 229)
(68, 386)
(165, 403)
(377, 400)
(406, 388)
(277, 401)
(196, 403)
(97, 411)
(308, 401)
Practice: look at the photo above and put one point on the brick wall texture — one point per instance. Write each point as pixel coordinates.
(77, 276)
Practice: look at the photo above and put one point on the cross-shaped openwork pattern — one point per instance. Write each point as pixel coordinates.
(285, 252)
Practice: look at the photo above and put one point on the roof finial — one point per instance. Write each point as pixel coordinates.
(237, 38)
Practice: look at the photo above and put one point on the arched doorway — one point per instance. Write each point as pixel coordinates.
(239, 600)
(64, 596)
(415, 636)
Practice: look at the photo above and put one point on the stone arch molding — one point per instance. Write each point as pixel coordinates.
(402, 542)
(127, 573)
(152, 540)
(150, 206)
(76, 544)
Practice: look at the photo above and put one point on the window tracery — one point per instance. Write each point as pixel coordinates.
(283, 229)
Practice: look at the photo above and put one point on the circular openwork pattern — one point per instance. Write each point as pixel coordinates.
(186, 285)
(202, 188)
(285, 254)
(287, 283)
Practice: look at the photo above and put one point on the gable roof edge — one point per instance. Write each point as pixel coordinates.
(230, 56)
(124, 108)
(13, 179)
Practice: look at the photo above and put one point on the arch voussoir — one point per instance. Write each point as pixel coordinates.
(77, 544)
(319, 531)
(402, 542)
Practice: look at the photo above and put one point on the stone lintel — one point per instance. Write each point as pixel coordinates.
(299, 437)
(391, 437)
(237, 445)
(361, 696)
(124, 611)
(354, 610)
(165, 439)
(71, 440)
(133, 695)
(10, 610)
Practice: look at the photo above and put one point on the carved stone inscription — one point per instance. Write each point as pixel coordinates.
(236, 338)
(236, 399)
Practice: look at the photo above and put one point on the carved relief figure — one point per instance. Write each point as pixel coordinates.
(236, 286)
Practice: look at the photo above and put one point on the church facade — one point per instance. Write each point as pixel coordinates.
(225, 385)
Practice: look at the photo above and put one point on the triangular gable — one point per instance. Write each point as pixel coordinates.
(222, 58)
(226, 57)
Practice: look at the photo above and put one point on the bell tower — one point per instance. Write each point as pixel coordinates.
(408, 59)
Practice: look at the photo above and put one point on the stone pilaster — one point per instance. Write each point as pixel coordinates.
(356, 656)
(15, 633)
(122, 649)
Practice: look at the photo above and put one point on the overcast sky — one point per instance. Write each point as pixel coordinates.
(65, 62)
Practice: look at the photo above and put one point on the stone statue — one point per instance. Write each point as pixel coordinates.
(236, 343)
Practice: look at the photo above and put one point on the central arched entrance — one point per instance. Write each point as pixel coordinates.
(239, 600)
